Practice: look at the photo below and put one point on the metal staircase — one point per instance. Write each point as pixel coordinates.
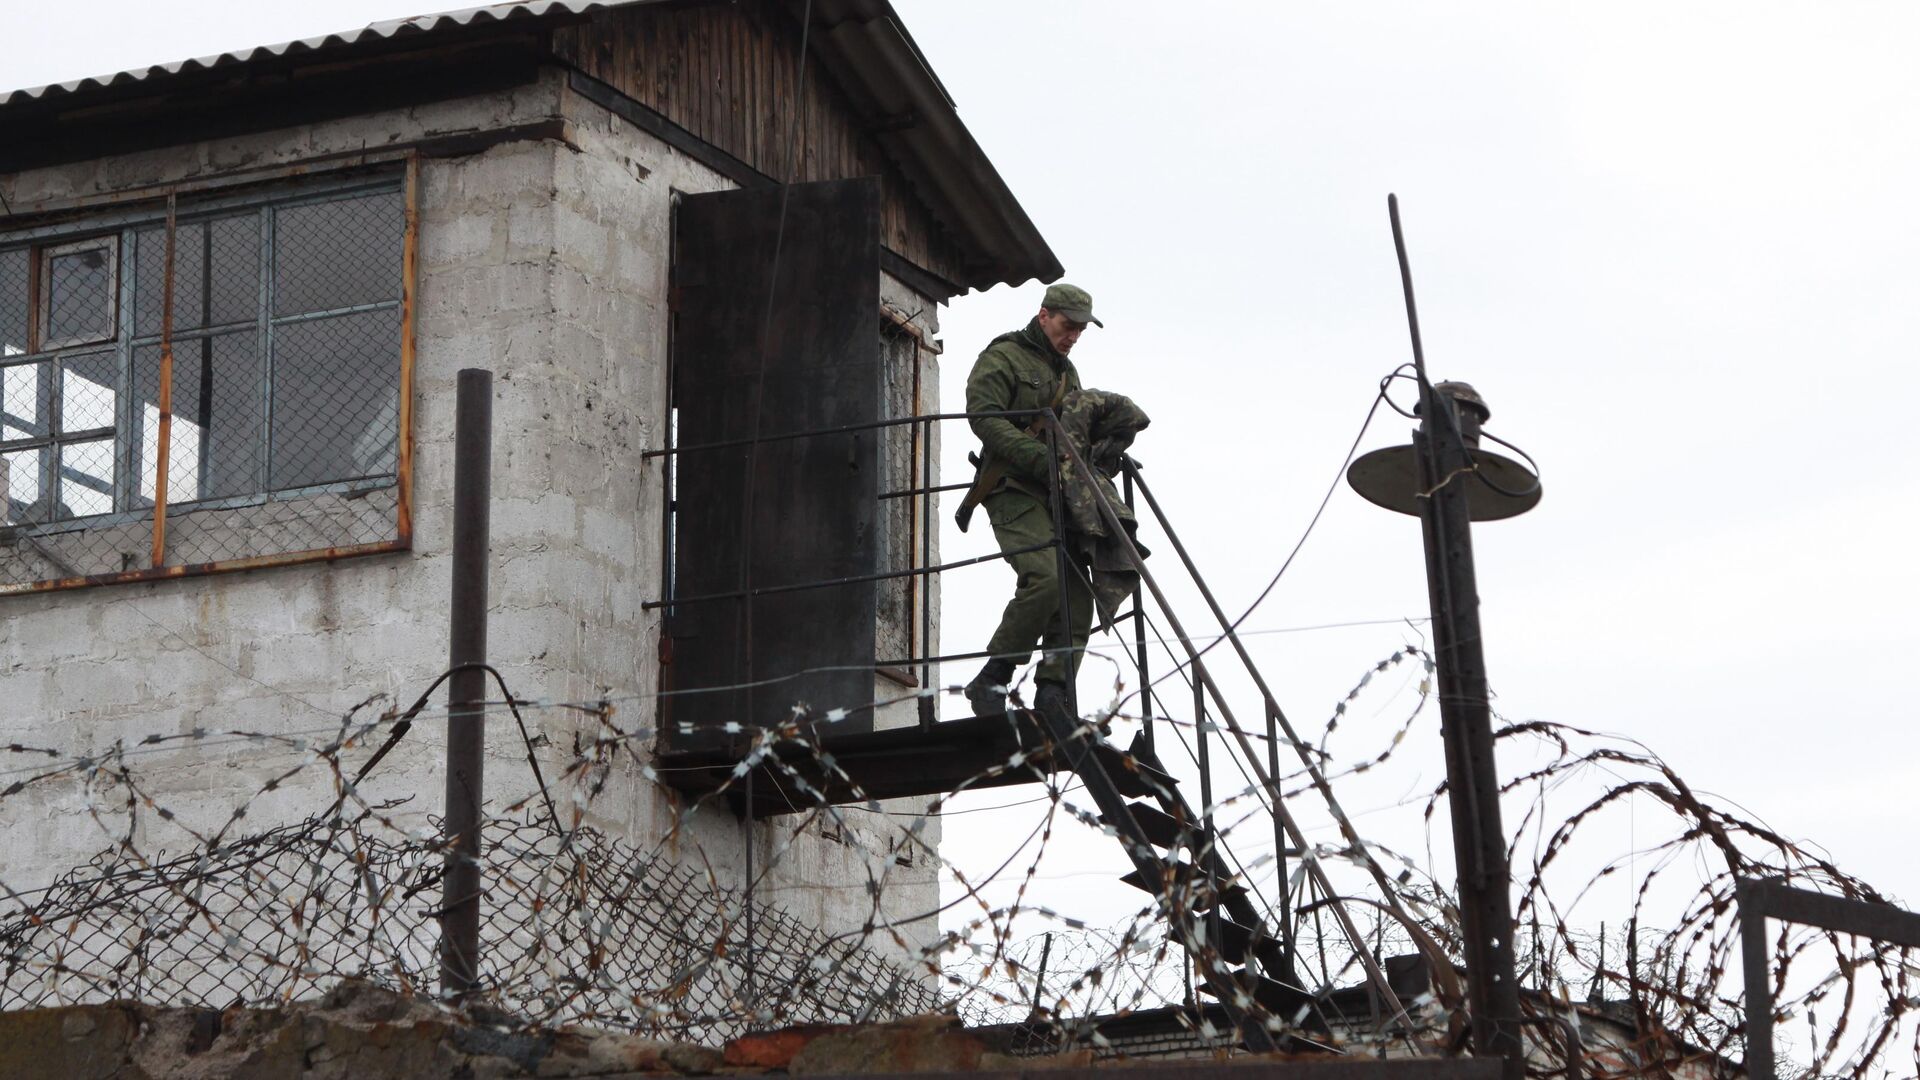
(1236, 953)
(1240, 944)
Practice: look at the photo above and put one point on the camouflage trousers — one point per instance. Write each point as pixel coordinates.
(1019, 521)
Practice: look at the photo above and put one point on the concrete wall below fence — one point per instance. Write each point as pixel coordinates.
(547, 263)
(362, 1034)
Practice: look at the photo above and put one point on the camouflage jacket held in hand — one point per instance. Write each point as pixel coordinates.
(1100, 425)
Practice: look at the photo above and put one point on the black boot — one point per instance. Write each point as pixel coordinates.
(988, 690)
(1051, 700)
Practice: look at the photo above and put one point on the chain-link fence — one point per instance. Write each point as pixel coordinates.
(580, 928)
(204, 384)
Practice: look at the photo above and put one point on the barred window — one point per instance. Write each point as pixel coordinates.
(222, 386)
(899, 459)
(905, 515)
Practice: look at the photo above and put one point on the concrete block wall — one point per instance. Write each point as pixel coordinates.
(283, 651)
(547, 263)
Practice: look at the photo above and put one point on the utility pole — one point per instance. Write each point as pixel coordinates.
(1449, 482)
(1448, 418)
(467, 686)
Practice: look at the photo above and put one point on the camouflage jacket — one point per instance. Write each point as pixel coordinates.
(1017, 372)
(1100, 425)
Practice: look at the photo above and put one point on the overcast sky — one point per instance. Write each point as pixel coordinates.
(1672, 245)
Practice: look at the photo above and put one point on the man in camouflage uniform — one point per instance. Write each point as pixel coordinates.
(1020, 371)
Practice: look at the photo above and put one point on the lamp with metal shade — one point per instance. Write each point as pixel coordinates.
(1390, 476)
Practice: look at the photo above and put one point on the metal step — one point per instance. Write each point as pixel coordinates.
(1196, 889)
(1134, 776)
(1162, 828)
(1277, 998)
(1228, 938)
(1110, 778)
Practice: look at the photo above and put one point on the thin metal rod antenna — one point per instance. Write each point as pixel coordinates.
(1406, 287)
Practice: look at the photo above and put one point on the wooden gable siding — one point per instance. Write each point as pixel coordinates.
(725, 73)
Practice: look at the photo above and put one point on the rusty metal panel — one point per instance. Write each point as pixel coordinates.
(811, 513)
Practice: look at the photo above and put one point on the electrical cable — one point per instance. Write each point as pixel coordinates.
(1487, 480)
(1312, 523)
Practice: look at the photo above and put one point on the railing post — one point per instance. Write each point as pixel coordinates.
(1208, 854)
(927, 580)
(1140, 633)
(466, 689)
(1759, 982)
(1288, 947)
(1056, 509)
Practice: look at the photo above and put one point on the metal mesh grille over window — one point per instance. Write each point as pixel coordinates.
(899, 464)
(203, 387)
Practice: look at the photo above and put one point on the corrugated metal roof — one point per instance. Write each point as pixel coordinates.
(861, 42)
(392, 28)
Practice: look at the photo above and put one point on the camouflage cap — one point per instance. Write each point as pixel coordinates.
(1072, 301)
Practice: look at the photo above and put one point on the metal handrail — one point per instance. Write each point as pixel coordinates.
(923, 493)
(844, 429)
(1275, 715)
(1396, 1010)
(854, 579)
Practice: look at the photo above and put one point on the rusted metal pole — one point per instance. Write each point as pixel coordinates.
(163, 447)
(409, 299)
(467, 650)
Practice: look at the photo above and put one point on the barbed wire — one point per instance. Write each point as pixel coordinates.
(188, 904)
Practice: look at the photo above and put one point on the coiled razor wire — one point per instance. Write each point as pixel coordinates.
(586, 928)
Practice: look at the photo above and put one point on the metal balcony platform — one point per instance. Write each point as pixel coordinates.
(891, 764)
(895, 763)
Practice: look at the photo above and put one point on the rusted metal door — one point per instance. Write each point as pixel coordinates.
(774, 336)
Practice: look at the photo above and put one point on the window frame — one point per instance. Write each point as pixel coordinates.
(40, 294)
(54, 439)
(119, 230)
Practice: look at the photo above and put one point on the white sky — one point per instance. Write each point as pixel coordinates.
(1670, 244)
